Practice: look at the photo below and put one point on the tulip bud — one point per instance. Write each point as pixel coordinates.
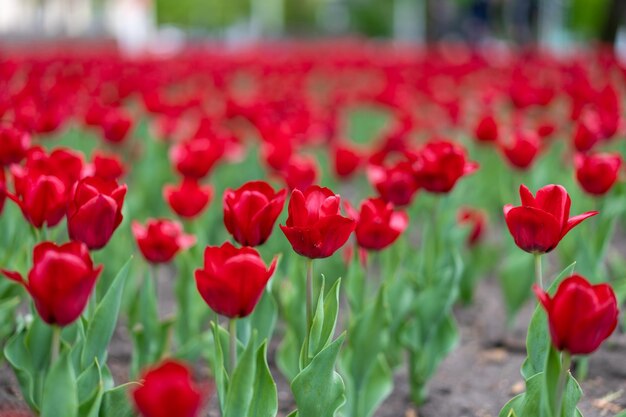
(581, 315)
(168, 390)
(251, 211)
(60, 281)
(233, 279)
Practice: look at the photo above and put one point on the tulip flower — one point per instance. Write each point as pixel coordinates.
(189, 198)
(14, 143)
(194, 158)
(395, 184)
(539, 224)
(581, 315)
(116, 124)
(251, 211)
(60, 281)
(487, 129)
(107, 166)
(232, 279)
(588, 131)
(315, 227)
(522, 150)
(378, 225)
(167, 390)
(3, 189)
(597, 173)
(161, 239)
(475, 219)
(95, 211)
(346, 161)
(440, 164)
(62, 163)
(42, 198)
(301, 172)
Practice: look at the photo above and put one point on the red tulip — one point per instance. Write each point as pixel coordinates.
(474, 218)
(194, 158)
(523, 150)
(581, 315)
(251, 211)
(588, 131)
(233, 279)
(378, 225)
(300, 172)
(161, 239)
(60, 281)
(440, 165)
(107, 166)
(65, 164)
(346, 161)
(539, 224)
(395, 184)
(116, 125)
(42, 198)
(597, 173)
(14, 143)
(189, 198)
(315, 228)
(168, 390)
(95, 211)
(487, 129)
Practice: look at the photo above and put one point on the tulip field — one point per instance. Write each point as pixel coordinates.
(313, 229)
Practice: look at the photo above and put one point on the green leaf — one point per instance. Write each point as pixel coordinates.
(265, 397)
(101, 326)
(552, 374)
(239, 396)
(17, 355)
(571, 397)
(90, 400)
(376, 387)
(318, 389)
(60, 396)
(516, 279)
(115, 402)
(325, 319)
(220, 344)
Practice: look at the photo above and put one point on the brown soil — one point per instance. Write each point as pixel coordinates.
(480, 376)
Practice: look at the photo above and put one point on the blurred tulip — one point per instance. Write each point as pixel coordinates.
(14, 143)
(116, 124)
(42, 198)
(581, 315)
(395, 184)
(476, 219)
(487, 129)
(233, 279)
(161, 239)
(346, 161)
(189, 198)
(107, 166)
(315, 227)
(60, 281)
(597, 173)
(378, 225)
(167, 390)
(539, 224)
(251, 211)
(301, 172)
(522, 150)
(196, 157)
(440, 164)
(94, 211)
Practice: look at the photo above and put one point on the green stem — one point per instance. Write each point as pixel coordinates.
(566, 363)
(309, 306)
(538, 272)
(232, 346)
(56, 344)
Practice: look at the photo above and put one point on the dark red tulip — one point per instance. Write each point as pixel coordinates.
(107, 166)
(60, 281)
(62, 163)
(14, 143)
(194, 158)
(3, 189)
(315, 227)
(167, 390)
(378, 225)
(251, 211)
(539, 224)
(161, 239)
(522, 150)
(116, 124)
(94, 211)
(42, 198)
(346, 160)
(301, 172)
(588, 131)
(476, 219)
(189, 198)
(395, 184)
(440, 164)
(487, 129)
(233, 279)
(581, 315)
(597, 173)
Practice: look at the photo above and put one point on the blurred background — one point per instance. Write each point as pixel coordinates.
(135, 23)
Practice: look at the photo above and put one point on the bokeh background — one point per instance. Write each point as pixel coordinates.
(139, 23)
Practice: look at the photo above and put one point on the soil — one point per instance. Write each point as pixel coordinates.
(476, 380)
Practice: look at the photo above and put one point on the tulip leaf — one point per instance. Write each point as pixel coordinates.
(115, 402)
(319, 390)
(102, 325)
(265, 396)
(355, 286)
(325, 319)
(60, 394)
(377, 386)
(38, 341)
(220, 344)
(239, 395)
(90, 391)
(514, 404)
(263, 318)
(516, 279)
(17, 354)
